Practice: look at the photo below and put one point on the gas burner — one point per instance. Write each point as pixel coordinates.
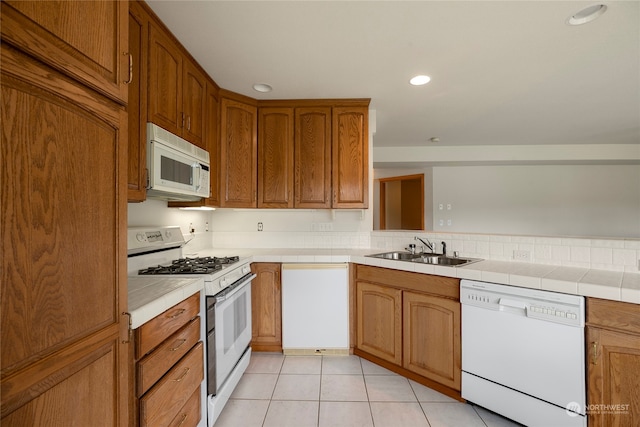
(203, 265)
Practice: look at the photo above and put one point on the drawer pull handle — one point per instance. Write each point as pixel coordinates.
(178, 346)
(594, 357)
(178, 313)
(184, 418)
(186, 371)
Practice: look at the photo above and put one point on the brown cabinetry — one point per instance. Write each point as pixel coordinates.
(613, 363)
(275, 157)
(177, 88)
(63, 287)
(238, 154)
(266, 307)
(379, 321)
(431, 327)
(411, 321)
(137, 107)
(350, 158)
(170, 367)
(84, 40)
(312, 157)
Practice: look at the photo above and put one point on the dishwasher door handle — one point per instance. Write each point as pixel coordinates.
(505, 302)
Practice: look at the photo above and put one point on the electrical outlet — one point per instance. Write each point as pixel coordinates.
(192, 229)
(260, 226)
(522, 255)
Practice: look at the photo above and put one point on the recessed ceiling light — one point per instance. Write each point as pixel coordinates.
(587, 14)
(420, 80)
(434, 139)
(262, 87)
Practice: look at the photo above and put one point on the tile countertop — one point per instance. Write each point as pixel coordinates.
(611, 285)
(152, 295)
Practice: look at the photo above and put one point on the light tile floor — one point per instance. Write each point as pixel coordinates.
(341, 391)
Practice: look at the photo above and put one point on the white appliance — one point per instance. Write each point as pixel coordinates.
(315, 307)
(226, 304)
(178, 170)
(523, 353)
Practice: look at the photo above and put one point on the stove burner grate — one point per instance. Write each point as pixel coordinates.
(202, 265)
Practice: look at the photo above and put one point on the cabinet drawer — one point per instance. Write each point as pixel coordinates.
(163, 402)
(189, 414)
(160, 360)
(618, 315)
(158, 329)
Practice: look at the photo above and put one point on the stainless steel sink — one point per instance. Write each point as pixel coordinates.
(444, 260)
(425, 258)
(398, 255)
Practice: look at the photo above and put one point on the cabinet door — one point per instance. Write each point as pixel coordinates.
(63, 218)
(165, 81)
(312, 157)
(213, 143)
(137, 107)
(275, 158)
(86, 40)
(432, 338)
(350, 150)
(194, 104)
(613, 364)
(238, 154)
(379, 321)
(266, 307)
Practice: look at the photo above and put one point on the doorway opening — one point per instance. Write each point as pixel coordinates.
(402, 202)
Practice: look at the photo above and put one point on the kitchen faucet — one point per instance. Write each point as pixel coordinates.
(427, 244)
(444, 248)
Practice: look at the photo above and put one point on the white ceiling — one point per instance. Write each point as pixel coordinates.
(503, 72)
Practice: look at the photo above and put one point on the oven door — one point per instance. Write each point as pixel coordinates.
(233, 326)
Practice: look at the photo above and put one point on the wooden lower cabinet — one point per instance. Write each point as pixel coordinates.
(266, 307)
(170, 367)
(431, 327)
(379, 321)
(613, 363)
(410, 323)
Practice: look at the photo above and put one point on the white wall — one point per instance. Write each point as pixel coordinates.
(542, 200)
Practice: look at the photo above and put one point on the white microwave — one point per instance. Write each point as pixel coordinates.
(178, 170)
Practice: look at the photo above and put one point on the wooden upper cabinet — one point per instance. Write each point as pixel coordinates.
(177, 88)
(213, 142)
(165, 81)
(312, 157)
(86, 40)
(137, 106)
(238, 154)
(194, 101)
(350, 156)
(275, 158)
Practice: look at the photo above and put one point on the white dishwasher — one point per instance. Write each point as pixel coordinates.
(523, 353)
(315, 308)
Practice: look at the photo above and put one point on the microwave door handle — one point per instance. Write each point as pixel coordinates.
(198, 178)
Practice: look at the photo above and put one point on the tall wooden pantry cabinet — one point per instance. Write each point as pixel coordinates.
(63, 288)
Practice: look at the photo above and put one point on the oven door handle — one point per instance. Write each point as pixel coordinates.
(236, 288)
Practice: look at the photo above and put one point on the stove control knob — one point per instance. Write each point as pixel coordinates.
(245, 269)
(140, 237)
(168, 234)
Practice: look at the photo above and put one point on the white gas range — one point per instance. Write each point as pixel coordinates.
(156, 252)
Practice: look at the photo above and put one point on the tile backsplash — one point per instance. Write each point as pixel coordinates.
(600, 254)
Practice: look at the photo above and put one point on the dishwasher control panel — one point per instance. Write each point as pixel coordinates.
(533, 303)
